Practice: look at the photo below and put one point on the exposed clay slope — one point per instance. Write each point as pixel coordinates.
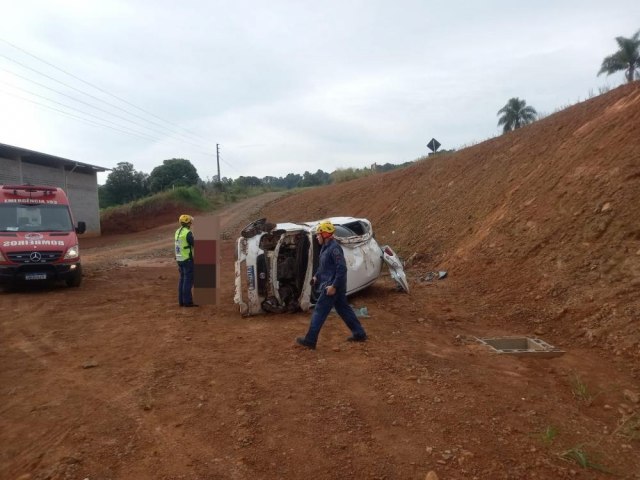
(543, 219)
(113, 380)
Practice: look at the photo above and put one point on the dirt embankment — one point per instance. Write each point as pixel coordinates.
(541, 221)
(538, 232)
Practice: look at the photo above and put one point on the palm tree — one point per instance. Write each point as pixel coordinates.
(515, 114)
(627, 58)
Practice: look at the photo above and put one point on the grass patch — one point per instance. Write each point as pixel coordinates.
(548, 435)
(630, 427)
(581, 391)
(190, 195)
(580, 456)
(346, 174)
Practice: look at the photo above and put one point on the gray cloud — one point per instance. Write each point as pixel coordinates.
(292, 86)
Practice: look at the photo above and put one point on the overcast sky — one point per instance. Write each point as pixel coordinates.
(289, 86)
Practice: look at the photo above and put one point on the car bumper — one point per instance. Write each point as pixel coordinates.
(10, 274)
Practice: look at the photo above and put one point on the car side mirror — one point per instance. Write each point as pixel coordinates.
(81, 228)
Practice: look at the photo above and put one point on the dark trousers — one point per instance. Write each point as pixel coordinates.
(321, 312)
(186, 282)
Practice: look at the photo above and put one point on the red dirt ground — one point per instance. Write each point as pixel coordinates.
(539, 234)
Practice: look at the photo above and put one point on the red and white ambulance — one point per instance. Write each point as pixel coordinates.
(38, 237)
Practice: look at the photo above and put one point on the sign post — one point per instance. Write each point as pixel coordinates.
(433, 145)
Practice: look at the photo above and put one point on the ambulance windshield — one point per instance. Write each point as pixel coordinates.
(17, 217)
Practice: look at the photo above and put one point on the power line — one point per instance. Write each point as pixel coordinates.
(97, 88)
(133, 133)
(91, 96)
(85, 120)
(75, 109)
(78, 110)
(114, 126)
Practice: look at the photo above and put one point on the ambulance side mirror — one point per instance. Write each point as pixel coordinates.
(81, 228)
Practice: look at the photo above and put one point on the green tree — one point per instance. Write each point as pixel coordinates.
(292, 180)
(315, 179)
(270, 181)
(627, 58)
(515, 114)
(123, 185)
(248, 182)
(175, 172)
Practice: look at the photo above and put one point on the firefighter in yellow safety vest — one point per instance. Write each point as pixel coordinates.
(184, 248)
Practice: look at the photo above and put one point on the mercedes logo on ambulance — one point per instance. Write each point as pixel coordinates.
(35, 257)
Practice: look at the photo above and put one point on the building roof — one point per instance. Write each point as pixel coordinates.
(38, 158)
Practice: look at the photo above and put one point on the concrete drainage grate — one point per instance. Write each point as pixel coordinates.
(521, 346)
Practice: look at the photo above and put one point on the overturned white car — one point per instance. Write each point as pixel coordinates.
(275, 263)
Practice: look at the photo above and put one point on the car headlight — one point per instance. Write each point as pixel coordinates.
(73, 252)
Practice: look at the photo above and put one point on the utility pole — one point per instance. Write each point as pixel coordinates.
(218, 160)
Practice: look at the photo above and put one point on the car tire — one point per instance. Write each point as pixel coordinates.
(75, 280)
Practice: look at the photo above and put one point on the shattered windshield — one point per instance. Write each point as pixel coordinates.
(353, 232)
(343, 231)
(16, 217)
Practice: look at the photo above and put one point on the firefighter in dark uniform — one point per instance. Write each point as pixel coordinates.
(330, 280)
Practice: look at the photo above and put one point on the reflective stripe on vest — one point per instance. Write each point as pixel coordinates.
(182, 247)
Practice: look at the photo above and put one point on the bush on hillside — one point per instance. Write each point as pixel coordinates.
(345, 174)
(152, 211)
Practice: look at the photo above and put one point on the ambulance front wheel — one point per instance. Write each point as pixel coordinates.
(76, 279)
